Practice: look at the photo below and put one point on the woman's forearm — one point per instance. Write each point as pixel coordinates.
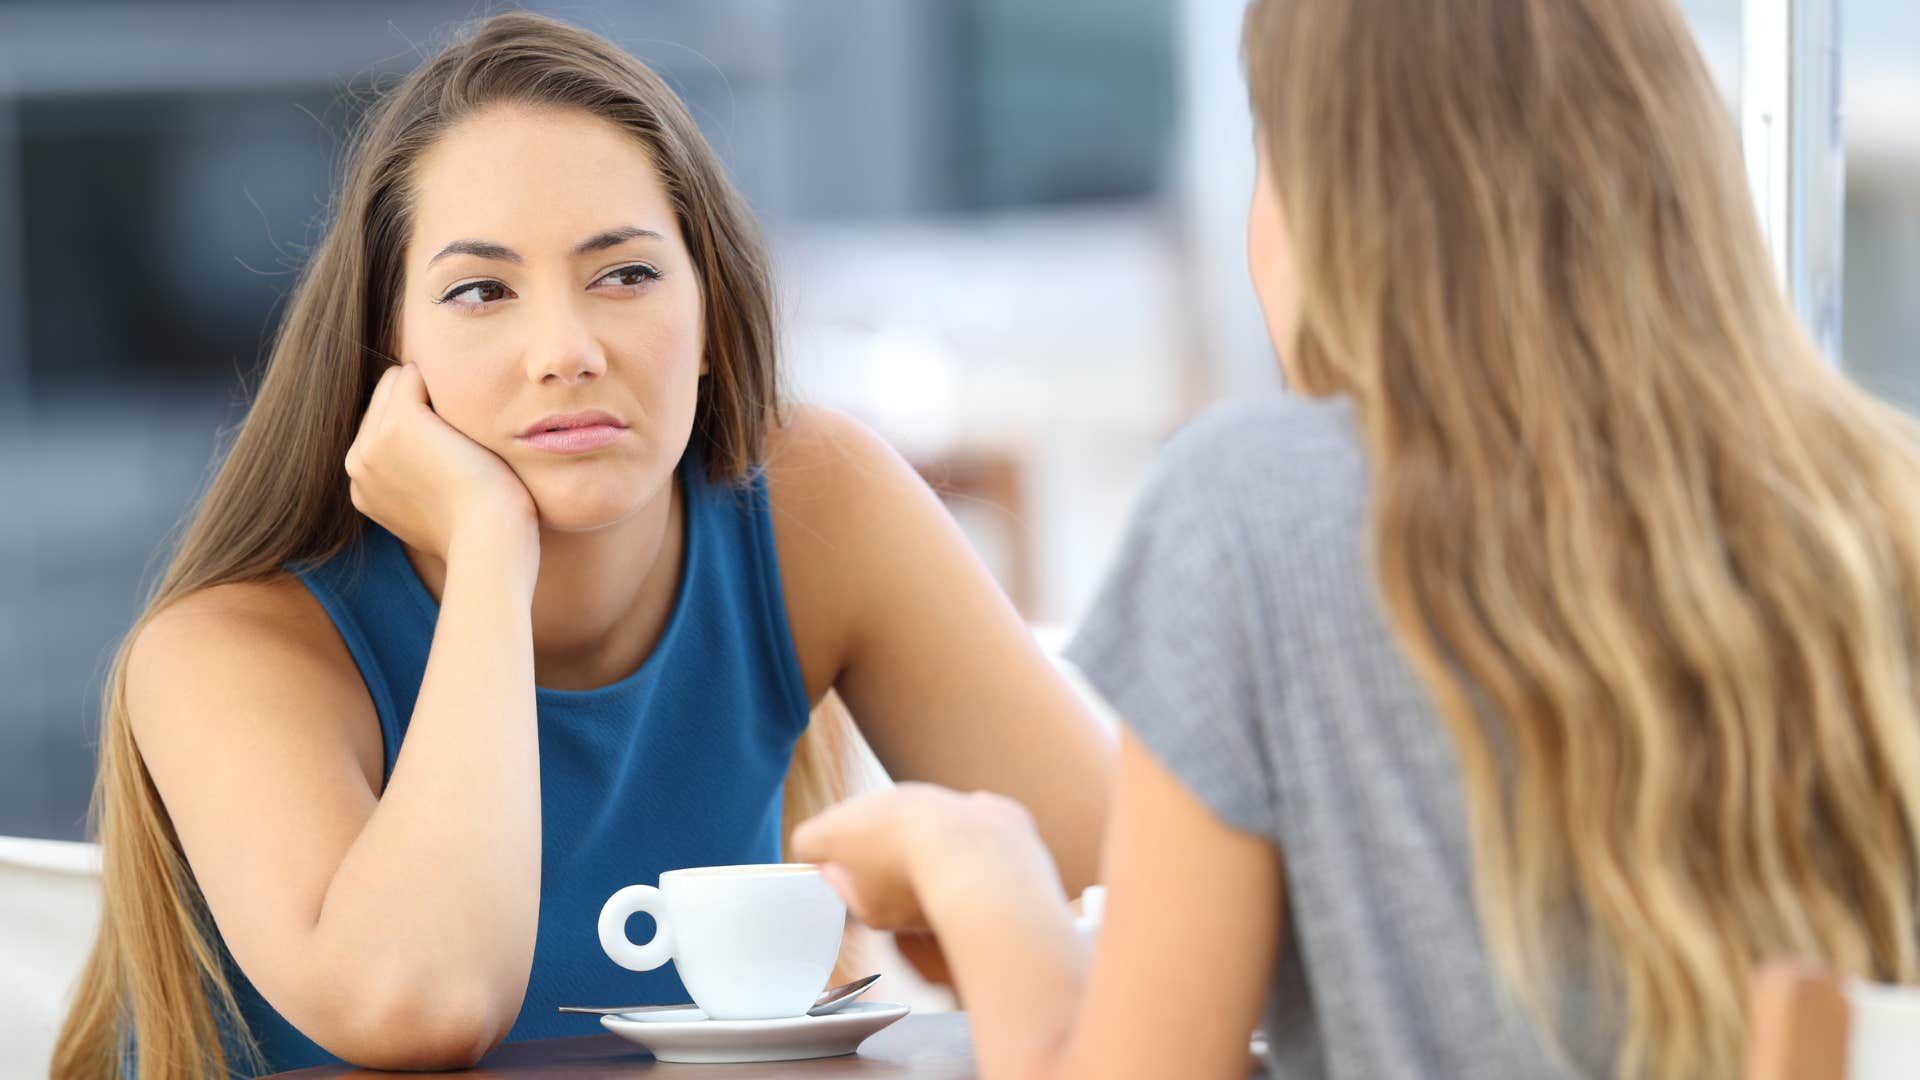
(438, 898)
(992, 896)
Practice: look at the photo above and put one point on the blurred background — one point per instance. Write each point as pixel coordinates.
(1008, 236)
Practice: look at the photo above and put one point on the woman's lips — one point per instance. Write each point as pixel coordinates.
(577, 440)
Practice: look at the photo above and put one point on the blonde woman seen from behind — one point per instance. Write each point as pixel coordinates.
(1495, 714)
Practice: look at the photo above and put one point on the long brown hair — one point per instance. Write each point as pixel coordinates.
(156, 971)
(1657, 564)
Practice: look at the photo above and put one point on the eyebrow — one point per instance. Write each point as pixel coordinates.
(487, 249)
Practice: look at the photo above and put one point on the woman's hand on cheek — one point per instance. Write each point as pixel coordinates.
(422, 479)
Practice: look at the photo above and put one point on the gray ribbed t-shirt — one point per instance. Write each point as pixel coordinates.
(1240, 637)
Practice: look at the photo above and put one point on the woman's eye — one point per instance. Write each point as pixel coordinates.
(485, 292)
(633, 276)
(478, 293)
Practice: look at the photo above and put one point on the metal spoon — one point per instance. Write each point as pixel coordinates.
(833, 999)
(839, 996)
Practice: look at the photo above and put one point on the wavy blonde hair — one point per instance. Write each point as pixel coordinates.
(157, 970)
(1657, 564)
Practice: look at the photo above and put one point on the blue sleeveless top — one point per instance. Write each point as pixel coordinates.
(682, 763)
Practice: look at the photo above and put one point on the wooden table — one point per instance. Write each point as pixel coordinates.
(930, 1046)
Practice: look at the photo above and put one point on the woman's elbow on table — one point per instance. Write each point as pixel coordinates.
(406, 1026)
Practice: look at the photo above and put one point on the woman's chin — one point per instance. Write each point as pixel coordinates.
(572, 513)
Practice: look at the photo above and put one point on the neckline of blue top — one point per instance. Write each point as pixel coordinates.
(648, 669)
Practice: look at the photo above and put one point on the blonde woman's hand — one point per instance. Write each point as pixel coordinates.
(425, 481)
(895, 855)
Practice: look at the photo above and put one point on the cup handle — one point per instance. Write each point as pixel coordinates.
(613, 929)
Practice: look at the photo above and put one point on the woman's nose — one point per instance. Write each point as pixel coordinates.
(564, 348)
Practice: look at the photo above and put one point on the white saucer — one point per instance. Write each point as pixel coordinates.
(686, 1035)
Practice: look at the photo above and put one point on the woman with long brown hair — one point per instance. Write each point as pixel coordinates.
(519, 585)
(1498, 714)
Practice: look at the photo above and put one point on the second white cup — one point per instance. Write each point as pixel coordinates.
(749, 942)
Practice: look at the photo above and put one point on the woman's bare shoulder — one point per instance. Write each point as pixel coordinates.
(245, 654)
(843, 504)
(835, 482)
(250, 616)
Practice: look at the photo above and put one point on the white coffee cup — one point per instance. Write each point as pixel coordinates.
(749, 942)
